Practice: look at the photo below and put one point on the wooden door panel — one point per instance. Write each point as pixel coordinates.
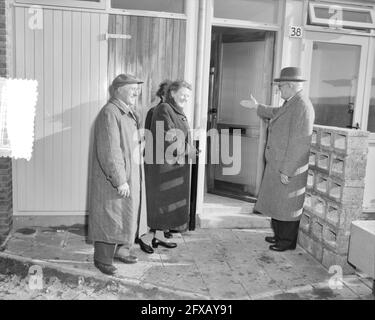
(156, 51)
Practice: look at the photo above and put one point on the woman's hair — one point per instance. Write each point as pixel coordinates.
(175, 86)
(163, 89)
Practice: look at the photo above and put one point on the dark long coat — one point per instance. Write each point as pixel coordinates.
(287, 151)
(168, 185)
(117, 158)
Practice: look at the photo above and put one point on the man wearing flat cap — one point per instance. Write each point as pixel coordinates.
(117, 211)
(282, 191)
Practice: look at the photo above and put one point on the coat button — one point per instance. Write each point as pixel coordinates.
(268, 147)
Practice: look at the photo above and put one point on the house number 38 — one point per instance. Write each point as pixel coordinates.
(295, 32)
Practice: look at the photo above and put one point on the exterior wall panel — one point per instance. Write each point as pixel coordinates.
(68, 58)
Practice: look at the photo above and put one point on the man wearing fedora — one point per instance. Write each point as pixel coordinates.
(117, 213)
(282, 190)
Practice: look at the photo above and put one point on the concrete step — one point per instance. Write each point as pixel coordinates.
(227, 213)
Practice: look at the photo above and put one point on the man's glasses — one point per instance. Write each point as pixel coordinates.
(280, 85)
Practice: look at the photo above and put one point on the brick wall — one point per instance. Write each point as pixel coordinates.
(334, 193)
(5, 163)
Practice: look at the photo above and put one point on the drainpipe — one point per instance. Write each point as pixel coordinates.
(200, 61)
(201, 98)
(191, 11)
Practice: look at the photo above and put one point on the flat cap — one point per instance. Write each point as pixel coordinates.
(123, 79)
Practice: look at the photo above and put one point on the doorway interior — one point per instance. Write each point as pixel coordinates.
(241, 63)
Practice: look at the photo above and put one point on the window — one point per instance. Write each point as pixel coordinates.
(262, 11)
(371, 114)
(338, 16)
(333, 82)
(173, 6)
(94, 4)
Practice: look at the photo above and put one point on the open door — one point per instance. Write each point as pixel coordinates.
(241, 63)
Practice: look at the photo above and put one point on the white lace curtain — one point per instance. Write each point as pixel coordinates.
(18, 99)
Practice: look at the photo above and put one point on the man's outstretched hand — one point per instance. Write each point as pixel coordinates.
(250, 104)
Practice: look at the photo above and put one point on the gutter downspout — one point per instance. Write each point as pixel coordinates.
(202, 87)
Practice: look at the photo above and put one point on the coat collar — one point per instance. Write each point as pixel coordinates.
(124, 108)
(286, 105)
(175, 107)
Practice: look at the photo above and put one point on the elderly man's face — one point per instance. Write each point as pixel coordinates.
(128, 93)
(285, 90)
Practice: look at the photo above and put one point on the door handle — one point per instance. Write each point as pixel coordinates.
(350, 107)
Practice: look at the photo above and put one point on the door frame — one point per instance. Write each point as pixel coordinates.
(206, 21)
(269, 96)
(345, 39)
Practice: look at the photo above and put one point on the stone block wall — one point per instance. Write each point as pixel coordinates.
(6, 211)
(334, 193)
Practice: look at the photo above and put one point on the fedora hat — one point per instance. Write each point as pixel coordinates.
(123, 79)
(290, 74)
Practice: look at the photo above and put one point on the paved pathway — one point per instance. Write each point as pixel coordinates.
(207, 264)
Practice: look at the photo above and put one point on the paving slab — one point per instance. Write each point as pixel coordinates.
(326, 292)
(357, 286)
(207, 264)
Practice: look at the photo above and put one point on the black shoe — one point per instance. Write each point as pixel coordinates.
(105, 268)
(168, 234)
(144, 247)
(156, 242)
(270, 239)
(175, 231)
(279, 248)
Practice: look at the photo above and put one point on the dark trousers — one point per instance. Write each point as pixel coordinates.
(104, 252)
(286, 232)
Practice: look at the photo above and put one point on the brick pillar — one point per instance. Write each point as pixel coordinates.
(334, 193)
(6, 211)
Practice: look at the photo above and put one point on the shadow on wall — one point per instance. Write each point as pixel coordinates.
(57, 177)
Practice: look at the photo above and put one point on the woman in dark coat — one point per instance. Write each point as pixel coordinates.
(168, 177)
(161, 93)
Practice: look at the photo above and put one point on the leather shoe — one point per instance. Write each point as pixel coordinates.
(144, 246)
(156, 242)
(126, 259)
(105, 268)
(270, 239)
(168, 234)
(278, 248)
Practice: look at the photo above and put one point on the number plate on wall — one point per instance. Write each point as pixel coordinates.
(295, 32)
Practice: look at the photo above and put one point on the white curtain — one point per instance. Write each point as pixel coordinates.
(18, 98)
